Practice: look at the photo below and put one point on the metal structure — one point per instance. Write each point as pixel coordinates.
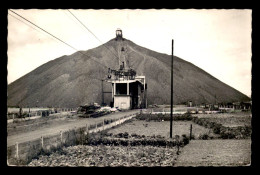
(119, 34)
(128, 89)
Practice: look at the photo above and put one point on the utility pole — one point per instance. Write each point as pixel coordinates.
(171, 93)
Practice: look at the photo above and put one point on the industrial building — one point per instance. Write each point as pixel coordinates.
(129, 91)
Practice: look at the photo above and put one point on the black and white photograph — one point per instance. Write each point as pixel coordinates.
(129, 87)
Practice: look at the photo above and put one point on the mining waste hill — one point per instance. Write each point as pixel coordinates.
(73, 80)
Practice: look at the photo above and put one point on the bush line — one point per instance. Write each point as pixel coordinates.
(165, 117)
(124, 139)
(240, 132)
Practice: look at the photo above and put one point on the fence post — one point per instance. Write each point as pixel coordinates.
(13, 117)
(96, 126)
(17, 150)
(103, 124)
(190, 131)
(41, 113)
(87, 128)
(42, 140)
(61, 137)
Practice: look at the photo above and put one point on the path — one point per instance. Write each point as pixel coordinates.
(23, 137)
(227, 152)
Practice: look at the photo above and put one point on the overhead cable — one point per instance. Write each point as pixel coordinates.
(56, 37)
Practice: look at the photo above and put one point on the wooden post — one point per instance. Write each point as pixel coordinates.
(190, 131)
(177, 138)
(86, 128)
(42, 140)
(103, 124)
(17, 150)
(96, 126)
(13, 117)
(61, 137)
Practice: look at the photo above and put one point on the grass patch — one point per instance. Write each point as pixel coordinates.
(240, 132)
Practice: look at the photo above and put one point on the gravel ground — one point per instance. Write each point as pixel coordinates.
(111, 156)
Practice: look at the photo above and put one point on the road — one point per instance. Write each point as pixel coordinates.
(24, 137)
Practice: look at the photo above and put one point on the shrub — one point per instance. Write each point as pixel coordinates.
(227, 134)
(125, 135)
(134, 135)
(119, 135)
(204, 137)
(185, 139)
(217, 128)
(224, 132)
(165, 117)
(186, 116)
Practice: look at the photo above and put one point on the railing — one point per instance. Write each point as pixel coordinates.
(27, 150)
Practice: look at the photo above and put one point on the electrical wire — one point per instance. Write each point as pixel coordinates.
(93, 34)
(23, 22)
(56, 37)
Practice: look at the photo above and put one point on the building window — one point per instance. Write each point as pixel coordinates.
(121, 89)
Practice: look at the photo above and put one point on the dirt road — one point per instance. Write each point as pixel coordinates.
(51, 130)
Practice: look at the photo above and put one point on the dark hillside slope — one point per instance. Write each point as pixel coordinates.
(70, 81)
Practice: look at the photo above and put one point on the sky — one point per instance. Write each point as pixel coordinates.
(217, 41)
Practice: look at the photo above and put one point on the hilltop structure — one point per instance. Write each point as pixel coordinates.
(128, 90)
